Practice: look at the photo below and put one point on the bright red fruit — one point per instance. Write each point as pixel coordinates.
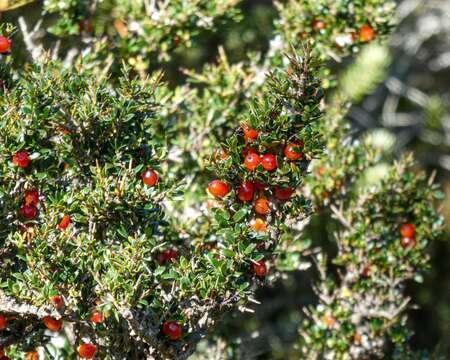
(245, 191)
(218, 188)
(260, 268)
(293, 151)
(250, 133)
(57, 302)
(21, 159)
(31, 197)
(28, 211)
(96, 317)
(3, 322)
(407, 230)
(251, 161)
(172, 329)
(408, 242)
(269, 162)
(53, 324)
(283, 193)
(64, 223)
(87, 351)
(5, 44)
(149, 177)
(262, 206)
(366, 33)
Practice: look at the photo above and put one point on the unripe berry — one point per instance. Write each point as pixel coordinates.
(251, 161)
(149, 177)
(64, 223)
(262, 206)
(260, 268)
(21, 159)
(407, 230)
(87, 350)
(218, 188)
(53, 324)
(293, 151)
(28, 211)
(258, 224)
(366, 33)
(283, 193)
(245, 191)
(172, 329)
(3, 322)
(408, 242)
(31, 197)
(5, 44)
(269, 162)
(57, 302)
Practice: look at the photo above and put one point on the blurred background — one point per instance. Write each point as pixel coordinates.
(409, 109)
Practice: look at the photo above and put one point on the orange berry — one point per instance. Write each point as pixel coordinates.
(407, 230)
(65, 222)
(218, 188)
(258, 224)
(31, 197)
(318, 25)
(249, 133)
(293, 151)
(53, 324)
(262, 206)
(251, 161)
(366, 33)
(87, 350)
(96, 317)
(32, 355)
(58, 302)
(21, 159)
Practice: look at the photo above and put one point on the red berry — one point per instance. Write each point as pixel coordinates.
(293, 151)
(260, 185)
(166, 256)
(248, 150)
(31, 197)
(245, 191)
(249, 133)
(58, 302)
(262, 206)
(64, 223)
(21, 159)
(87, 351)
(172, 329)
(96, 317)
(366, 33)
(283, 193)
(218, 188)
(258, 225)
(269, 162)
(149, 177)
(28, 211)
(260, 268)
(3, 322)
(407, 230)
(86, 25)
(5, 44)
(318, 25)
(53, 324)
(408, 242)
(251, 161)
